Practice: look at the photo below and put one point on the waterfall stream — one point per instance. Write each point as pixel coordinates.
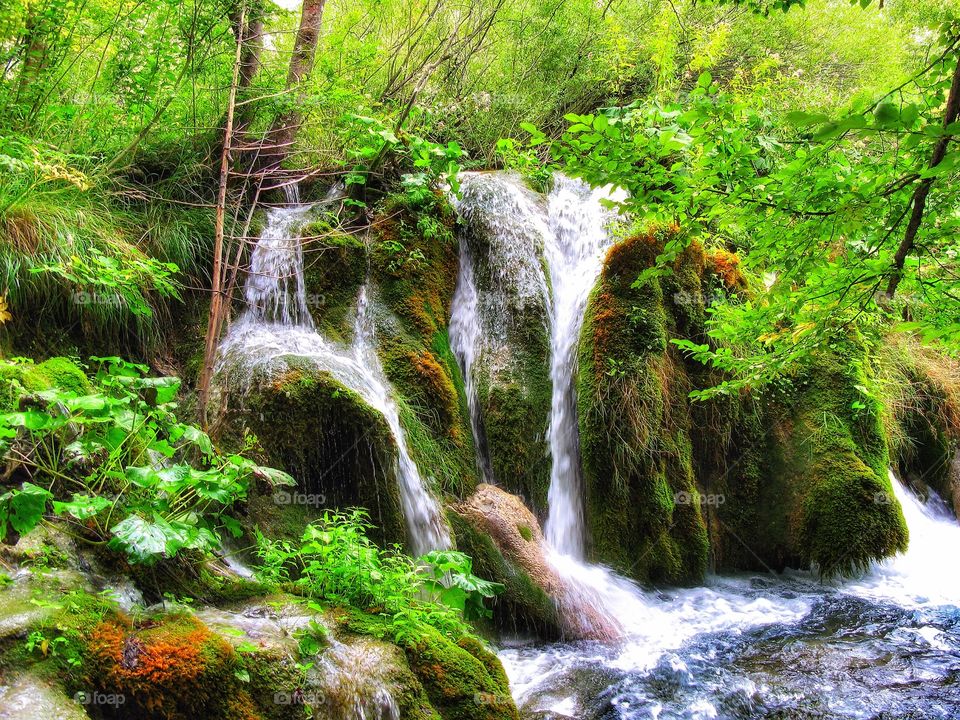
(277, 323)
(742, 646)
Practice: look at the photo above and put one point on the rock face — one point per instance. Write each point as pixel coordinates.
(338, 448)
(526, 570)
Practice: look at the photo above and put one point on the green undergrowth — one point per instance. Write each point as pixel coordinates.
(100, 264)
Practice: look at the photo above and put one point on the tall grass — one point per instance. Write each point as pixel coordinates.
(78, 256)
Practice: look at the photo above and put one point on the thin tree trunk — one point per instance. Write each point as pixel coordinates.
(284, 130)
(217, 306)
(919, 199)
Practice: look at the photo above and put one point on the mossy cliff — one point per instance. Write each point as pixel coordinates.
(338, 447)
(642, 504)
(791, 476)
(921, 392)
(414, 260)
(504, 244)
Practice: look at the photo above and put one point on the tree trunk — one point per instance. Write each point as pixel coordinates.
(250, 33)
(919, 199)
(219, 308)
(284, 130)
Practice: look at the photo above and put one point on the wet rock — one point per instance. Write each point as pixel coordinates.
(29, 698)
(515, 532)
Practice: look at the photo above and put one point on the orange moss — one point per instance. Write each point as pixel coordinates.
(437, 386)
(726, 265)
(175, 669)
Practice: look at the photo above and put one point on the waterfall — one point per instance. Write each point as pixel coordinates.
(916, 577)
(568, 234)
(277, 322)
(465, 338)
(513, 232)
(579, 235)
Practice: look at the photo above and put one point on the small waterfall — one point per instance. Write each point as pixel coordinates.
(277, 322)
(917, 577)
(568, 234)
(580, 235)
(509, 227)
(466, 336)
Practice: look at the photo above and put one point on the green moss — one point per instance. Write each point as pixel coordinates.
(460, 679)
(338, 447)
(523, 606)
(413, 261)
(643, 507)
(335, 266)
(57, 372)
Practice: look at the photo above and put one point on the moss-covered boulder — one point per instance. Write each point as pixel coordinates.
(815, 489)
(793, 475)
(460, 678)
(19, 378)
(334, 269)
(503, 226)
(339, 448)
(643, 508)
(169, 667)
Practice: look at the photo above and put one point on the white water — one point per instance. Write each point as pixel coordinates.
(922, 576)
(580, 233)
(277, 322)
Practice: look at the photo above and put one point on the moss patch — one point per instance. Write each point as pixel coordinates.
(338, 447)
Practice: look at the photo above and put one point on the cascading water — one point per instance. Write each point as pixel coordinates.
(744, 646)
(580, 233)
(277, 323)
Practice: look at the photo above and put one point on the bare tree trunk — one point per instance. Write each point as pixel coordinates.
(251, 33)
(284, 130)
(919, 199)
(218, 308)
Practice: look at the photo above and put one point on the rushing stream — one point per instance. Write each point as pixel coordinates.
(277, 323)
(746, 646)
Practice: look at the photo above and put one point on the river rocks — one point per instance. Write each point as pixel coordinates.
(518, 557)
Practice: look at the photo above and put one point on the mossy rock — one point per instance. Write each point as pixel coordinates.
(461, 678)
(414, 263)
(504, 243)
(828, 499)
(335, 267)
(523, 606)
(21, 377)
(338, 447)
(643, 507)
(171, 667)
